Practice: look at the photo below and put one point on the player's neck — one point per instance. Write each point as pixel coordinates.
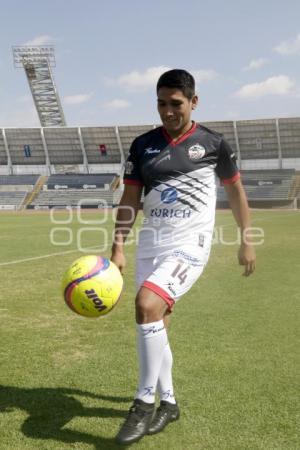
(176, 135)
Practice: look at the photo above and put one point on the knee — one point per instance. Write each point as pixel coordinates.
(146, 308)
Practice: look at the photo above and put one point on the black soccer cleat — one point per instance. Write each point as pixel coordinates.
(137, 423)
(167, 412)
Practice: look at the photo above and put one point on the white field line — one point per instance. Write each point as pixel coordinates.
(35, 258)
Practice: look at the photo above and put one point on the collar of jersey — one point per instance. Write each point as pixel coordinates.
(182, 138)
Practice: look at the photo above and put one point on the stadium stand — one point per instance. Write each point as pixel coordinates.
(257, 139)
(289, 132)
(79, 181)
(101, 145)
(90, 160)
(77, 189)
(15, 188)
(25, 146)
(268, 177)
(3, 155)
(63, 145)
(265, 185)
(92, 198)
(19, 180)
(11, 199)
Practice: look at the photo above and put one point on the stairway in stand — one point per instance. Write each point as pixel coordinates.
(35, 191)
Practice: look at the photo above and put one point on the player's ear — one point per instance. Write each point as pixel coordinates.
(194, 101)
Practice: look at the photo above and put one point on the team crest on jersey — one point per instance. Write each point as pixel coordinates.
(196, 152)
(128, 168)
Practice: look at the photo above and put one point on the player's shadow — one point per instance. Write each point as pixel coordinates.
(51, 409)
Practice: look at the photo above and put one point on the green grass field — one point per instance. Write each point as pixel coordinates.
(66, 382)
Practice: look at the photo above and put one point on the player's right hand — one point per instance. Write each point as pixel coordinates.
(246, 257)
(119, 259)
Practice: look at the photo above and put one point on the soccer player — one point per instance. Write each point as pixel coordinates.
(176, 165)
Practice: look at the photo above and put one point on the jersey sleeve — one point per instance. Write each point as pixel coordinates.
(132, 173)
(227, 169)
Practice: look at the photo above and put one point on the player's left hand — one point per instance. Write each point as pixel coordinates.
(246, 257)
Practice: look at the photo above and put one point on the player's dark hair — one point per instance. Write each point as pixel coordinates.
(178, 79)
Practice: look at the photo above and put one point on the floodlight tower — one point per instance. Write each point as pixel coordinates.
(37, 62)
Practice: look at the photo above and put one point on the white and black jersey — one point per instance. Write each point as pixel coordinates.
(179, 180)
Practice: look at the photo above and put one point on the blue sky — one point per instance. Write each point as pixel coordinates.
(245, 57)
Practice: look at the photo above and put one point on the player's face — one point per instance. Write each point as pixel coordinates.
(175, 110)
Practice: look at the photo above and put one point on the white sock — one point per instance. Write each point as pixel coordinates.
(152, 339)
(165, 382)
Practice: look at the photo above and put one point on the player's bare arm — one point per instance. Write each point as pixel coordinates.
(127, 212)
(239, 205)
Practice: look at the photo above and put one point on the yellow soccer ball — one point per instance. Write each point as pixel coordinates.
(92, 286)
